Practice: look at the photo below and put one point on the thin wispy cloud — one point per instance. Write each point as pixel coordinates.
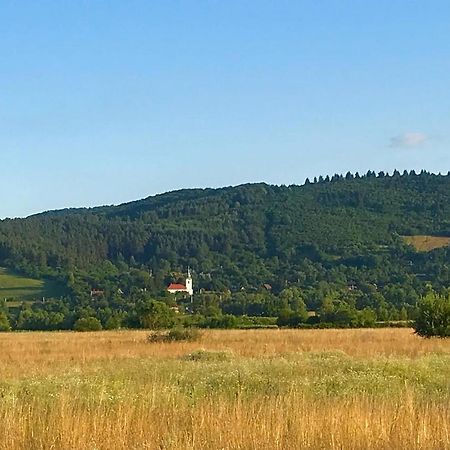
(409, 140)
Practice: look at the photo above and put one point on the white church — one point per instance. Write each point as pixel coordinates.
(173, 288)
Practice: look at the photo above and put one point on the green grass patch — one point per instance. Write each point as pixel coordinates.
(17, 287)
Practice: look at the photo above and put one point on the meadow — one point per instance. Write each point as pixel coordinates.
(252, 389)
(17, 287)
(425, 243)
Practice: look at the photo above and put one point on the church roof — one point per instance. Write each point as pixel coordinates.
(176, 286)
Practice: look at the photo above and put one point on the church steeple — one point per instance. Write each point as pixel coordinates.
(189, 285)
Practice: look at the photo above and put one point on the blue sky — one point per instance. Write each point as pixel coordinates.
(103, 102)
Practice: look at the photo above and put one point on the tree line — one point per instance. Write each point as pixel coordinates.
(337, 242)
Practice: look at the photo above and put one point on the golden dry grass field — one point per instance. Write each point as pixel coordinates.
(253, 389)
(425, 243)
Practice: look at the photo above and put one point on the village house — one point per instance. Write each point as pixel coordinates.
(97, 292)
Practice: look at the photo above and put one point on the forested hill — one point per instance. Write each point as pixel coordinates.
(344, 228)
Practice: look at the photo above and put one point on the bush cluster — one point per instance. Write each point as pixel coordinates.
(174, 335)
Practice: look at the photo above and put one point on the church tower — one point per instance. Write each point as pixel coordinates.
(189, 285)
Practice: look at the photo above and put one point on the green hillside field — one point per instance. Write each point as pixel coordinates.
(17, 287)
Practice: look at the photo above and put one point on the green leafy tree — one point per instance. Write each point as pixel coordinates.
(290, 318)
(4, 322)
(367, 317)
(327, 309)
(433, 316)
(155, 315)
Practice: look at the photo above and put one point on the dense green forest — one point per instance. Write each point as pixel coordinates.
(333, 246)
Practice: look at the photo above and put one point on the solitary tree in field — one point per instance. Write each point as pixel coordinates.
(155, 315)
(434, 316)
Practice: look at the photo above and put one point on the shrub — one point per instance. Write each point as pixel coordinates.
(209, 356)
(4, 322)
(113, 323)
(87, 324)
(175, 334)
(289, 318)
(226, 321)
